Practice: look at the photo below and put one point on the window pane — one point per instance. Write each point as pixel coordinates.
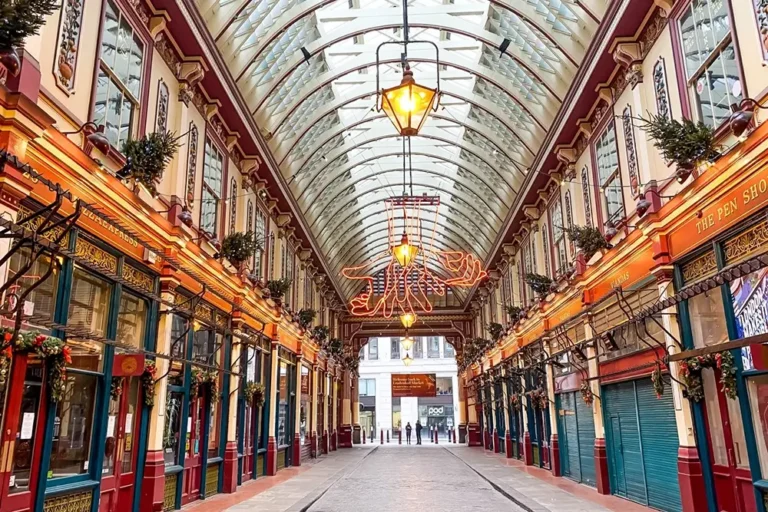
(126, 121)
(109, 35)
(282, 410)
(110, 444)
(718, 87)
(614, 199)
(395, 348)
(73, 426)
(208, 206)
(123, 58)
(114, 111)
(373, 349)
(758, 400)
(607, 154)
(172, 429)
(42, 300)
(134, 76)
(433, 349)
(100, 105)
(448, 350)
(131, 423)
(131, 320)
(89, 306)
(25, 439)
(707, 320)
(213, 433)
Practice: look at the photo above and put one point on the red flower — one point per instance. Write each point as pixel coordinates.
(7, 336)
(8, 352)
(39, 339)
(67, 352)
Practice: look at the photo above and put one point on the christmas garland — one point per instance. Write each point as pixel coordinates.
(658, 381)
(690, 374)
(254, 393)
(116, 388)
(586, 393)
(515, 401)
(53, 351)
(200, 377)
(539, 398)
(148, 383)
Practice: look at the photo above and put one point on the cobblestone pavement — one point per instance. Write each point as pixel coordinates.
(423, 478)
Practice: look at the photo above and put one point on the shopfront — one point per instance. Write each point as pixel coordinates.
(251, 441)
(321, 412)
(305, 412)
(285, 399)
(499, 409)
(514, 410)
(77, 441)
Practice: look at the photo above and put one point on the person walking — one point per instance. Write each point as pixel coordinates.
(408, 433)
(418, 432)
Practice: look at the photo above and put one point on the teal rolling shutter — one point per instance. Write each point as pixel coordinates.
(625, 458)
(586, 426)
(658, 433)
(569, 442)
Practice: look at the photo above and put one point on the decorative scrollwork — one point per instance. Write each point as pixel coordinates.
(746, 244)
(68, 42)
(97, 257)
(585, 192)
(139, 279)
(700, 267)
(80, 502)
(169, 493)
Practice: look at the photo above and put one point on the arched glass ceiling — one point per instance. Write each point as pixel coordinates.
(341, 159)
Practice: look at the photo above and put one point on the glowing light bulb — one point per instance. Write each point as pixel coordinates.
(408, 319)
(405, 103)
(407, 360)
(405, 253)
(407, 343)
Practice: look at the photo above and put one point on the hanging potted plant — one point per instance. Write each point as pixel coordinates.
(495, 329)
(148, 383)
(320, 334)
(278, 288)
(306, 317)
(588, 239)
(239, 248)
(18, 21)
(254, 394)
(541, 285)
(686, 144)
(148, 157)
(586, 393)
(690, 374)
(514, 313)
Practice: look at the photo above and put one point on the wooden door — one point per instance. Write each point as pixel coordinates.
(249, 420)
(119, 466)
(728, 455)
(193, 462)
(22, 433)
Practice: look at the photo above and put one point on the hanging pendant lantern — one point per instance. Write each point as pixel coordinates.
(408, 319)
(405, 253)
(408, 104)
(407, 343)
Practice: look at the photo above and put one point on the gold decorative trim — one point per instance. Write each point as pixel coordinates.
(211, 480)
(746, 244)
(424, 318)
(139, 279)
(169, 493)
(700, 267)
(203, 312)
(80, 502)
(95, 256)
(51, 235)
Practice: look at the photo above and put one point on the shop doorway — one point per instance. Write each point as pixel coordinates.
(119, 466)
(193, 462)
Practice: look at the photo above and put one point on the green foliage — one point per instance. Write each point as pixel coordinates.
(495, 329)
(306, 317)
(149, 157)
(588, 239)
(320, 333)
(514, 312)
(334, 347)
(686, 144)
(541, 285)
(254, 393)
(239, 247)
(21, 19)
(278, 287)
(474, 350)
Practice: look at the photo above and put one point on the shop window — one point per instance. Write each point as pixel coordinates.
(282, 406)
(394, 348)
(305, 403)
(367, 387)
(24, 448)
(89, 305)
(41, 302)
(444, 385)
(559, 243)
(206, 346)
(213, 169)
(433, 347)
(396, 414)
(73, 426)
(418, 348)
(373, 349)
(118, 86)
(609, 175)
(706, 318)
(711, 63)
(131, 320)
(178, 350)
(213, 429)
(758, 400)
(448, 349)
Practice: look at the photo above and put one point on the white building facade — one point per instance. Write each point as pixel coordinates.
(379, 411)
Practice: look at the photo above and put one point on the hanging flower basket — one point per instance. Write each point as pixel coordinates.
(539, 399)
(586, 394)
(306, 317)
(690, 374)
(495, 330)
(658, 381)
(148, 383)
(514, 399)
(320, 334)
(202, 378)
(53, 351)
(116, 388)
(254, 393)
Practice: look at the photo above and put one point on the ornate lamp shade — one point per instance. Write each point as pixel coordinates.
(407, 360)
(408, 319)
(408, 104)
(407, 343)
(405, 252)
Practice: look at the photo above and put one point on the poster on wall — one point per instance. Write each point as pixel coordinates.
(414, 385)
(750, 307)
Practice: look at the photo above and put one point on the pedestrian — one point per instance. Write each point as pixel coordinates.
(408, 433)
(418, 432)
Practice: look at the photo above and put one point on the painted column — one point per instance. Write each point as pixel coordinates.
(345, 436)
(230, 448)
(601, 456)
(527, 445)
(272, 412)
(474, 436)
(553, 443)
(462, 408)
(153, 481)
(355, 389)
(505, 402)
(693, 490)
(313, 416)
(326, 414)
(335, 415)
(297, 415)
(495, 427)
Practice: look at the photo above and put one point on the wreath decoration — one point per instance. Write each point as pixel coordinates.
(254, 393)
(55, 353)
(209, 378)
(514, 399)
(148, 383)
(690, 374)
(658, 381)
(539, 398)
(116, 388)
(586, 394)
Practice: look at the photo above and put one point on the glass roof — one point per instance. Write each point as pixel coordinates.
(307, 70)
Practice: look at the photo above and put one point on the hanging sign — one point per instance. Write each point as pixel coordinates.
(128, 365)
(414, 384)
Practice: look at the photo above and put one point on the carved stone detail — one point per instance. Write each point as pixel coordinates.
(191, 164)
(233, 206)
(68, 44)
(585, 192)
(161, 116)
(629, 142)
(660, 88)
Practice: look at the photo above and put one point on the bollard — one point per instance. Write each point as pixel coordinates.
(382, 436)
(454, 436)
(437, 433)
(387, 436)
(400, 436)
(431, 437)
(363, 436)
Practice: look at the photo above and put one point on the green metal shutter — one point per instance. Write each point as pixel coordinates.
(586, 427)
(625, 458)
(569, 442)
(658, 434)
